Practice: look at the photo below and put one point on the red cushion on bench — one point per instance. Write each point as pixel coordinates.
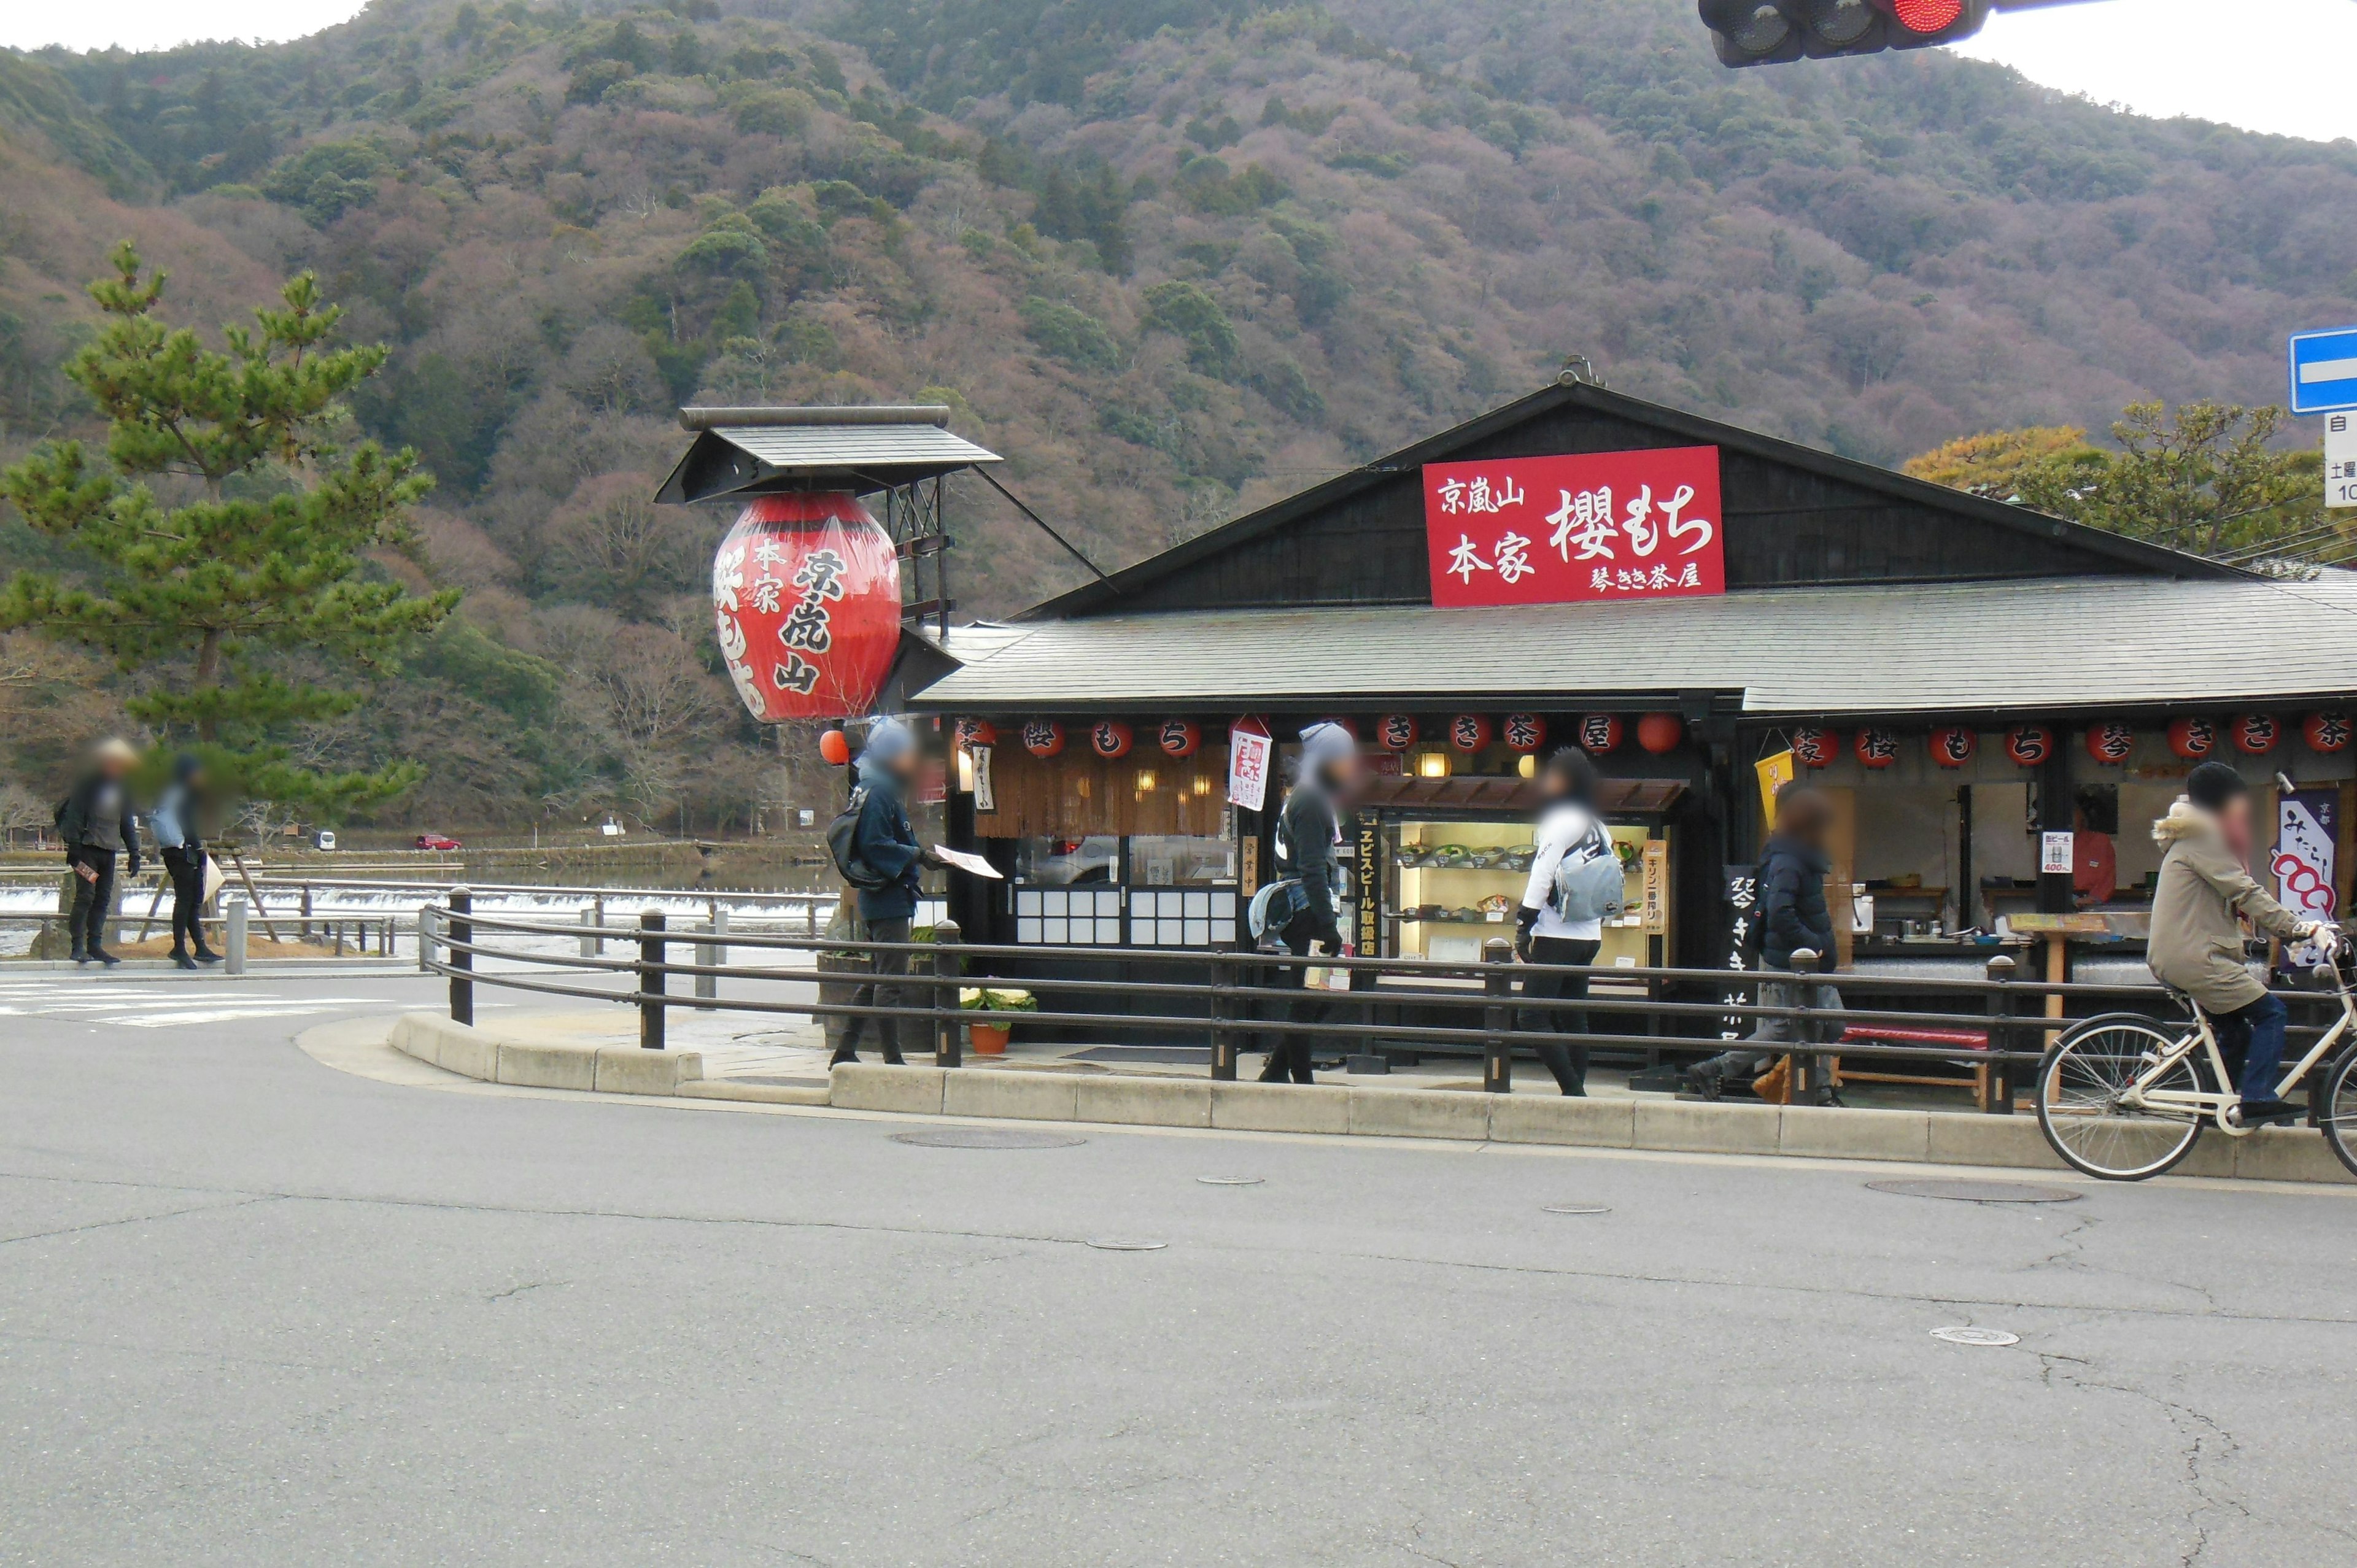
(1872, 1033)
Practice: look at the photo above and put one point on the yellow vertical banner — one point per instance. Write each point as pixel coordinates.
(1775, 772)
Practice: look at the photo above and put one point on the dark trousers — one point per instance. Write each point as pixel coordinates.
(186, 868)
(2258, 1030)
(94, 901)
(1291, 1058)
(885, 991)
(1568, 1063)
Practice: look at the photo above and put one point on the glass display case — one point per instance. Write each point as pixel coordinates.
(1452, 886)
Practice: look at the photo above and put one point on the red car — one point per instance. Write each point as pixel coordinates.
(436, 840)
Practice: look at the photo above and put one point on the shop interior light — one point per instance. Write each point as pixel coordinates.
(1528, 766)
(1432, 765)
(966, 771)
(1145, 782)
(1202, 783)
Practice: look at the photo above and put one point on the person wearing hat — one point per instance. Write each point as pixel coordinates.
(173, 824)
(2204, 893)
(99, 824)
(1307, 831)
(885, 847)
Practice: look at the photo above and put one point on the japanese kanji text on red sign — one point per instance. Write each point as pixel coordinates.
(1595, 525)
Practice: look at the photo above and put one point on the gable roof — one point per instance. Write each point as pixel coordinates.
(856, 447)
(2049, 546)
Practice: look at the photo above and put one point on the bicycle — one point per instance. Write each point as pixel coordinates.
(2121, 1096)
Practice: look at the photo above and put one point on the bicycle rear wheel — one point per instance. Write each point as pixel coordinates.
(2082, 1085)
(2337, 1111)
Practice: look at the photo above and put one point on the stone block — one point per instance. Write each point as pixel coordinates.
(633, 1069)
(1023, 1096)
(1281, 1107)
(1562, 1119)
(2287, 1154)
(1826, 1132)
(871, 1086)
(548, 1066)
(1419, 1113)
(754, 1093)
(1698, 1128)
(1959, 1138)
(1143, 1101)
(466, 1050)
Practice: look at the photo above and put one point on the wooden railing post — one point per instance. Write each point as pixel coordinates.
(1497, 1047)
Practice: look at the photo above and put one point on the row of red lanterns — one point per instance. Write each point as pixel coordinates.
(2109, 741)
(1110, 739)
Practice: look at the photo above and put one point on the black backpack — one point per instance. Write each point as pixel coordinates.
(843, 842)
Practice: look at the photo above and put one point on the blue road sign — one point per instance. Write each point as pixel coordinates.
(2324, 371)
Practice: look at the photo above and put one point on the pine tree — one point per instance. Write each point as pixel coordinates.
(252, 563)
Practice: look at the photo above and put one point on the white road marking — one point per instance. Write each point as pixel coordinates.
(159, 1006)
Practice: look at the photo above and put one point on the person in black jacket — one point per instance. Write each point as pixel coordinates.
(886, 845)
(99, 825)
(176, 827)
(1793, 916)
(1307, 831)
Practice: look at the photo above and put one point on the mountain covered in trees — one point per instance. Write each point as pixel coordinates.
(1173, 258)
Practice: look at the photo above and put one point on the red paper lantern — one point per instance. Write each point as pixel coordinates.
(1525, 732)
(2327, 732)
(2110, 741)
(1468, 732)
(1954, 745)
(2029, 745)
(1813, 748)
(835, 747)
(2192, 739)
(1599, 734)
(1658, 733)
(1043, 737)
(976, 732)
(1395, 731)
(806, 602)
(1110, 739)
(2255, 734)
(1180, 738)
(1876, 747)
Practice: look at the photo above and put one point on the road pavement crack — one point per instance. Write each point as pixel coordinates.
(142, 1218)
(2206, 1444)
(514, 1291)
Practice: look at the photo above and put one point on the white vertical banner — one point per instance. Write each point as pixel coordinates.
(985, 793)
(2306, 861)
(1251, 752)
(2340, 459)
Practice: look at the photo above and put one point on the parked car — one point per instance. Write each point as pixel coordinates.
(437, 841)
(324, 840)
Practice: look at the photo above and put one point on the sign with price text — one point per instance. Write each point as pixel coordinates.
(1575, 529)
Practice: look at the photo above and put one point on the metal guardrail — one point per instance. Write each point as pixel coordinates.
(2013, 1020)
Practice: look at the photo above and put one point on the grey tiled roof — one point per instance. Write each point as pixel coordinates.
(2030, 646)
(854, 445)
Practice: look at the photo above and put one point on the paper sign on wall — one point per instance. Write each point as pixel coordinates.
(1250, 753)
(2054, 854)
(985, 793)
(1584, 527)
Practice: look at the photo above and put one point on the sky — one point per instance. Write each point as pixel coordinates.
(2266, 65)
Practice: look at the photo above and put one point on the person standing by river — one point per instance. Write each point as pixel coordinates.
(100, 827)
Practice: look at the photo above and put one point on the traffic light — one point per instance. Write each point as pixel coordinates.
(1771, 32)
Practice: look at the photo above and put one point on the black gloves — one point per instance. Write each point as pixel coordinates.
(1524, 921)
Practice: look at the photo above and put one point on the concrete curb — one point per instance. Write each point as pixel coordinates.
(475, 1052)
(1908, 1137)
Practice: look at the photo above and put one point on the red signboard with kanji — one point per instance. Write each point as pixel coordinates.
(1591, 526)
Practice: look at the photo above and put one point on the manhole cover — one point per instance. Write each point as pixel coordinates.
(1115, 1244)
(1997, 1338)
(986, 1138)
(1577, 1208)
(1978, 1191)
(1230, 1180)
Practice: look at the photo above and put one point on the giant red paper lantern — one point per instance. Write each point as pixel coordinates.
(2192, 739)
(2254, 735)
(1043, 737)
(1468, 732)
(2328, 733)
(1110, 739)
(2110, 741)
(1658, 733)
(1180, 738)
(1814, 747)
(1954, 745)
(1876, 747)
(2028, 745)
(806, 601)
(1395, 731)
(1599, 734)
(835, 747)
(1525, 732)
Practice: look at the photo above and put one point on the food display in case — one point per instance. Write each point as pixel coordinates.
(1455, 885)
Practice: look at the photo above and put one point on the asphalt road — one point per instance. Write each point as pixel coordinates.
(255, 1310)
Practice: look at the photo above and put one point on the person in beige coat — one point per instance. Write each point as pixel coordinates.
(2205, 892)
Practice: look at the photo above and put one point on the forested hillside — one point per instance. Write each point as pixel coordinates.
(1172, 257)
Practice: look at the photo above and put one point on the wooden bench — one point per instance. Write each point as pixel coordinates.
(1897, 1035)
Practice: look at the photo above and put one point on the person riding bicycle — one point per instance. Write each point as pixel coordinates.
(2205, 891)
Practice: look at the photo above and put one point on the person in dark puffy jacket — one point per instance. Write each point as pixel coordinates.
(1307, 831)
(100, 827)
(885, 843)
(1793, 916)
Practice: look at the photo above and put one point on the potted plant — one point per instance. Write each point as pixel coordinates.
(988, 1036)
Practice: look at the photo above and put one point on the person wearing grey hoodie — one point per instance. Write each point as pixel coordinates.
(1307, 831)
(2204, 893)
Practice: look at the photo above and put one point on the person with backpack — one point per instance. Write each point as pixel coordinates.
(99, 824)
(1793, 915)
(1309, 829)
(1575, 885)
(877, 852)
(174, 823)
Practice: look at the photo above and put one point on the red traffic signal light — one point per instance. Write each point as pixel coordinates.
(1769, 32)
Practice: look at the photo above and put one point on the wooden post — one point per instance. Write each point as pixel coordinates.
(1498, 1044)
(949, 1029)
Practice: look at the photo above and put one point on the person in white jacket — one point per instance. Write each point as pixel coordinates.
(1568, 829)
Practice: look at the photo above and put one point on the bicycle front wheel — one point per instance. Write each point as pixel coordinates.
(2338, 1111)
(2083, 1092)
